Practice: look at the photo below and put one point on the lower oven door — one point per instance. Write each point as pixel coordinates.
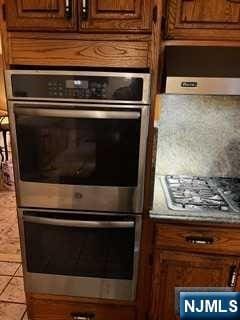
(80, 157)
(84, 255)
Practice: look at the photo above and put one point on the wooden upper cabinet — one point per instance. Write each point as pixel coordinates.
(41, 15)
(203, 19)
(179, 269)
(115, 15)
(213, 11)
(79, 15)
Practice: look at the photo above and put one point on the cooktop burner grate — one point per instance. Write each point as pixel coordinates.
(202, 193)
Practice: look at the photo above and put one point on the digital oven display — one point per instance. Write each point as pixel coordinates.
(71, 84)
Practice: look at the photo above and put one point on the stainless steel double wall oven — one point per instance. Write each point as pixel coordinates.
(79, 143)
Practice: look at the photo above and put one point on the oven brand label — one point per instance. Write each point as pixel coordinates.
(209, 305)
(189, 84)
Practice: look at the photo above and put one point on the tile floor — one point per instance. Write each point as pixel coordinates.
(12, 297)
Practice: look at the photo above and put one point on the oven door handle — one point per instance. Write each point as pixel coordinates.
(80, 224)
(93, 114)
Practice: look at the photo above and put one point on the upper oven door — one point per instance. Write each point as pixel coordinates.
(81, 148)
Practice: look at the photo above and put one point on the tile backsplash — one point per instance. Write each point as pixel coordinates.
(199, 135)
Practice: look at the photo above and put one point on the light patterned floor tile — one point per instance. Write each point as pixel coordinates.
(3, 283)
(8, 268)
(19, 272)
(11, 311)
(10, 257)
(14, 292)
(9, 240)
(8, 199)
(9, 237)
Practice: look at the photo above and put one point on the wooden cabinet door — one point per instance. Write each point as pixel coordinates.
(204, 19)
(176, 269)
(42, 15)
(115, 15)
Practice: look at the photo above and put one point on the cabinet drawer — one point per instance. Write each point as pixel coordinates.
(60, 52)
(41, 309)
(198, 239)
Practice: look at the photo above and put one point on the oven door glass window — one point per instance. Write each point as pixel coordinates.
(96, 252)
(78, 151)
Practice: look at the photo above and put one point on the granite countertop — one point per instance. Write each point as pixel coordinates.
(162, 212)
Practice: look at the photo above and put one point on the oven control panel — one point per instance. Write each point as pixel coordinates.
(74, 89)
(84, 86)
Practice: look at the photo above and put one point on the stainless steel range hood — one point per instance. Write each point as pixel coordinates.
(202, 70)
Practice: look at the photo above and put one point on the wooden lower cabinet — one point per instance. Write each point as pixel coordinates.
(182, 269)
(198, 239)
(42, 309)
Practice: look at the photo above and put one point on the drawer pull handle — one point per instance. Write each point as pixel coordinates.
(84, 14)
(232, 277)
(83, 316)
(199, 240)
(68, 9)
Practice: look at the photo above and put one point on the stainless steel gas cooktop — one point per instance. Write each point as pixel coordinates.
(202, 193)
